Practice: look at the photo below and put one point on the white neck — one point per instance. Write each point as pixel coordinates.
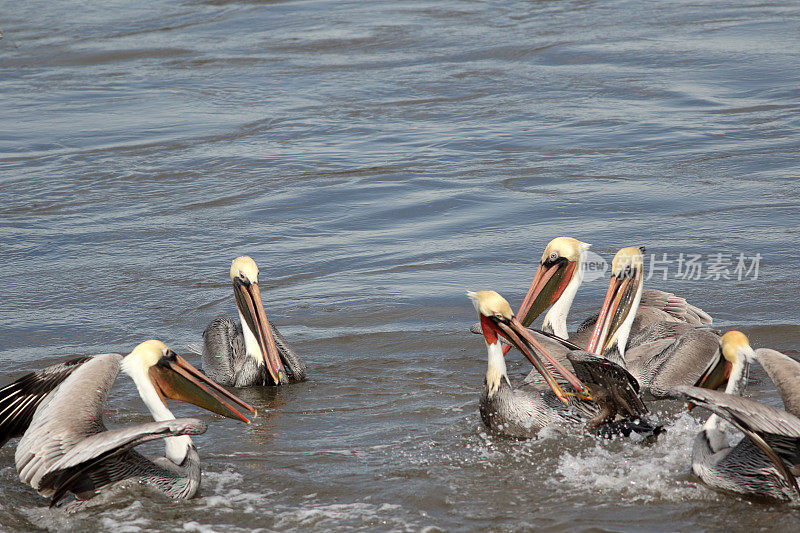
(715, 426)
(176, 447)
(496, 370)
(250, 342)
(556, 318)
(624, 330)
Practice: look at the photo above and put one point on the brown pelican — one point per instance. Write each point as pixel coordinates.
(765, 463)
(607, 403)
(558, 278)
(65, 447)
(662, 354)
(252, 352)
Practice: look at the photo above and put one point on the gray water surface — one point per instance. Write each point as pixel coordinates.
(378, 159)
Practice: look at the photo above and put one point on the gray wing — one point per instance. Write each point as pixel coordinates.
(223, 350)
(65, 417)
(674, 306)
(646, 316)
(785, 374)
(654, 306)
(662, 364)
(774, 431)
(68, 470)
(20, 399)
(741, 412)
(658, 331)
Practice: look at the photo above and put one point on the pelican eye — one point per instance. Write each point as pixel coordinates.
(500, 318)
(169, 356)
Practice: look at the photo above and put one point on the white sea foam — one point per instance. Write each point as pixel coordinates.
(221, 493)
(334, 515)
(637, 472)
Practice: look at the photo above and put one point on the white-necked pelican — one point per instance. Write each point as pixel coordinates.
(252, 352)
(560, 274)
(661, 354)
(65, 447)
(607, 403)
(766, 462)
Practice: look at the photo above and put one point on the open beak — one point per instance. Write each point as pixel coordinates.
(175, 378)
(522, 340)
(616, 306)
(548, 285)
(715, 376)
(248, 299)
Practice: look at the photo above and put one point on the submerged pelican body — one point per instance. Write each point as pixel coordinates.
(252, 352)
(66, 448)
(766, 462)
(606, 401)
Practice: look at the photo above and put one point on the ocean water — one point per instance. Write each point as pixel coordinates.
(378, 159)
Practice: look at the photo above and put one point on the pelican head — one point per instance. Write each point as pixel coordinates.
(171, 376)
(621, 302)
(734, 352)
(734, 356)
(560, 265)
(736, 348)
(257, 332)
(245, 269)
(497, 319)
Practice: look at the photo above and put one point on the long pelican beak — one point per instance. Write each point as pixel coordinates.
(715, 376)
(616, 306)
(548, 285)
(522, 340)
(248, 300)
(175, 378)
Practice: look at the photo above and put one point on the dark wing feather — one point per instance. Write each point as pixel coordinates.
(223, 350)
(740, 411)
(19, 400)
(612, 386)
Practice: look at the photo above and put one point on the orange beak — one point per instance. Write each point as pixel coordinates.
(616, 306)
(547, 287)
(248, 300)
(175, 378)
